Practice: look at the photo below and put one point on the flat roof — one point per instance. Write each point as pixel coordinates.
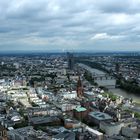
(100, 115)
(80, 109)
(65, 135)
(44, 119)
(94, 131)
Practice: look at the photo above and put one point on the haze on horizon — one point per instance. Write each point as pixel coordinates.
(101, 25)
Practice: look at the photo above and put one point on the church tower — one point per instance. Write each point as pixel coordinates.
(79, 88)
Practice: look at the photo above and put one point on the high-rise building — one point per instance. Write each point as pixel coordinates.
(117, 67)
(70, 60)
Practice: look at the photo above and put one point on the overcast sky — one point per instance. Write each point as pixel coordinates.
(96, 25)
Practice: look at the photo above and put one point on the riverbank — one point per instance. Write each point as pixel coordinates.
(115, 91)
(120, 92)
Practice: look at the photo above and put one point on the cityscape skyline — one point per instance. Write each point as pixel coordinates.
(67, 25)
(69, 70)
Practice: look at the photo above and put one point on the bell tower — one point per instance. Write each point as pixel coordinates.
(79, 88)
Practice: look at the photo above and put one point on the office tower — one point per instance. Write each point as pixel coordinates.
(70, 61)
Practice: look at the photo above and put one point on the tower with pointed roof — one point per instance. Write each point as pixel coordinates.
(79, 88)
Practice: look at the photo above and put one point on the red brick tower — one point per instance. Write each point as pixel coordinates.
(79, 88)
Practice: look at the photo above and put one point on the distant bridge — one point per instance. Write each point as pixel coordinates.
(103, 77)
(100, 77)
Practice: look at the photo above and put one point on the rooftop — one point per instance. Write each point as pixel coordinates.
(109, 123)
(65, 135)
(80, 109)
(44, 119)
(100, 115)
(29, 133)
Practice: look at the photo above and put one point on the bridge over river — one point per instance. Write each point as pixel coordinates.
(100, 77)
(103, 79)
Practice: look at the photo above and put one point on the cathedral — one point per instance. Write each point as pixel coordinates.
(79, 88)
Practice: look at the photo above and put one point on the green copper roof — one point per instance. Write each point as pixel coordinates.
(80, 109)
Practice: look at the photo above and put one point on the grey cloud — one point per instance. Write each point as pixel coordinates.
(69, 24)
(119, 6)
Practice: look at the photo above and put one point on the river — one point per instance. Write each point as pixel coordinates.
(116, 91)
(120, 92)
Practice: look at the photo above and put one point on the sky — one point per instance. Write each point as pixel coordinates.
(70, 25)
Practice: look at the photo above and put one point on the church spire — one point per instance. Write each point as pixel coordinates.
(79, 87)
